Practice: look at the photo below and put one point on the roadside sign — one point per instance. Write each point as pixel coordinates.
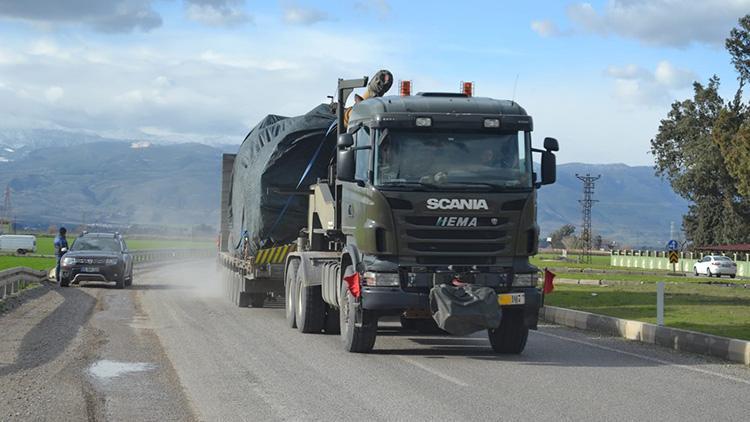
(672, 245)
(674, 257)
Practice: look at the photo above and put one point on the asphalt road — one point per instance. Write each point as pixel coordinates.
(172, 349)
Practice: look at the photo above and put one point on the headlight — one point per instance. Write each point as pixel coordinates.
(525, 280)
(68, 261)
(382, 279)
(111, 261)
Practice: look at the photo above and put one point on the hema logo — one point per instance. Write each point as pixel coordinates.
(456, 221)
(456, 204)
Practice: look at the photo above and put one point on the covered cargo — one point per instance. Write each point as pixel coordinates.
(279, 155)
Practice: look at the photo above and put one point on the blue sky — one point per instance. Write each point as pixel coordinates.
(598, 76)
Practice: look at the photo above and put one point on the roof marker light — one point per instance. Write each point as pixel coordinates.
(423, 122)
(467, 88)
(404, 87)
(492, 123)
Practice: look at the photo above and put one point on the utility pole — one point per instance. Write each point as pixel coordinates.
(586, 203)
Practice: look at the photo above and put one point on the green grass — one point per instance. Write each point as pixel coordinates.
(715, 310)
(45, 244)
(549, 260)
(639, 277)
(36, 263)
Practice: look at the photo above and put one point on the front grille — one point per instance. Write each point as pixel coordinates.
(456, 247)
(456, 234)
(90, 261)
(432, 221)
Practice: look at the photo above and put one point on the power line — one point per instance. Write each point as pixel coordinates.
(586, 204)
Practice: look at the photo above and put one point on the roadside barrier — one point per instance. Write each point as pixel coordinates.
(159, 255)
(14, 279)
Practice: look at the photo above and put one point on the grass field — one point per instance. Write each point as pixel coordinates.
(710, 309)
(44, 244)
(45, 247)
(36, 263)
(549, 260)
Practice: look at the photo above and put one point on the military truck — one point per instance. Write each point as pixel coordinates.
(424, 190)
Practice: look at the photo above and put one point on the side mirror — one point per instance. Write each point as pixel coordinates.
(346, 140)
(345, 164)
(549, 166)
(550, 144)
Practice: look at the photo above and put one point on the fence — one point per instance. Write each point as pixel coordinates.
(15, 279)
(658, 260)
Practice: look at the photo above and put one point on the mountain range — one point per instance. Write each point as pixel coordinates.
(59, 178)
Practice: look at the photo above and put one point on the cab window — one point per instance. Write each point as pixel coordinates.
(362, 139)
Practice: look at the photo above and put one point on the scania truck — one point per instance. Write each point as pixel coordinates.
(426, 189)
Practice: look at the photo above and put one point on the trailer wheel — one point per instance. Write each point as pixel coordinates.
(356, 337)
(290, 292)
(310, 307)
(257, 299)
(510, 337)
(333, 323)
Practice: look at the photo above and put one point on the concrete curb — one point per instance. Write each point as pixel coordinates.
(688, 341)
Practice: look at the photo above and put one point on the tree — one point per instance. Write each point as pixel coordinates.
(702, 149)
(561, 234)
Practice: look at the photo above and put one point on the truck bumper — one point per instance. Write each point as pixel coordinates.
(390, 300)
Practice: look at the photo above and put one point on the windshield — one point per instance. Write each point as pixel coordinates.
(446, 159)
(95, 244)
(721, 258)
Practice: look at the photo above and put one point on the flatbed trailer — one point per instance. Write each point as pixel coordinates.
(250, 281)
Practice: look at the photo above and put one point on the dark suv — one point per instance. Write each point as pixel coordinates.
(98, 257)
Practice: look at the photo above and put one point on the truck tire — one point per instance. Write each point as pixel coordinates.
(290, 293)
(64, 282)
(333, 323)
(257, 300)
(356, 339)
(243, 299)
(311, 311)
(510, 337)
(120, 282)
(21, 251)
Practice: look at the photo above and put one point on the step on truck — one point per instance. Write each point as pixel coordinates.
(424, 191)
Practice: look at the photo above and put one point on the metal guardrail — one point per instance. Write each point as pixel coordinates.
(14, 279)
(155, 255)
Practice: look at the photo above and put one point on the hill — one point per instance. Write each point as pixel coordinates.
(114, 181)
(634, 206)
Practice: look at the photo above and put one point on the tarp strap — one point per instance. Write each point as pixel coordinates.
(302, 179)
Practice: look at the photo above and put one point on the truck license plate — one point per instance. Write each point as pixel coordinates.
(511, 299)
(89, 269)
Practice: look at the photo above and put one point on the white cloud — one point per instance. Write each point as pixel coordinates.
(380, 8)
(638, 86)
(545, 28)
(217, 12)
(105, 16)
(662, 22)
(298, 15)
(54, 93)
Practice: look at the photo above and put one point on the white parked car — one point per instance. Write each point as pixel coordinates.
(19, 243)
(717, 265)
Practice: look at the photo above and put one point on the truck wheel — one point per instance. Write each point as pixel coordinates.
(257, 299)
(120, 283)
(510, 337)
(64, 282)
(356, 338)
(21, 251)
(290, 293)
(333, 323)
(311, 311)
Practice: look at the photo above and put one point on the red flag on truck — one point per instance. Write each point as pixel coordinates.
(549, 278)
(353, 282)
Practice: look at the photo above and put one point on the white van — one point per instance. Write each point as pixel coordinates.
(19, 243)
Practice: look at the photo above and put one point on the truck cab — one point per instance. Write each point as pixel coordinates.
(431, 189)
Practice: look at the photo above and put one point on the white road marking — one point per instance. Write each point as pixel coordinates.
(648, 358)
(434, 372)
